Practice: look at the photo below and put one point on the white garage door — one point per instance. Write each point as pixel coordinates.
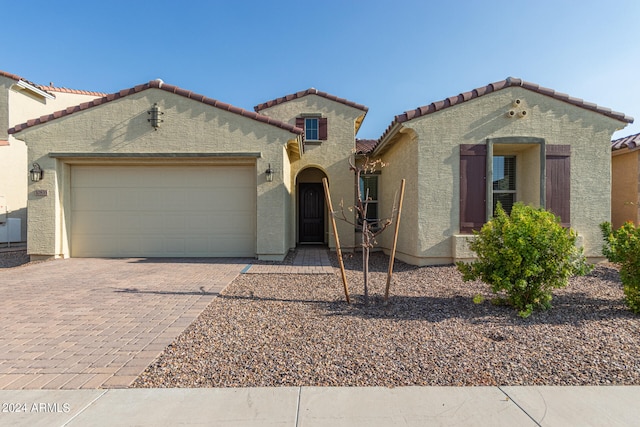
(163, 211)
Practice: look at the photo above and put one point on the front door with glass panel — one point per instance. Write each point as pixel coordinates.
(311, 213)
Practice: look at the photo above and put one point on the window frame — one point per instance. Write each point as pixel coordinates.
(489, 167)
(307, 129)
(321, 130)
(374, 223)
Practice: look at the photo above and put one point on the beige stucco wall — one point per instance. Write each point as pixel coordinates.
(624, 188)
(121, 127)
(330, 156)
(401, 163)
(17, 106)
(440, 134)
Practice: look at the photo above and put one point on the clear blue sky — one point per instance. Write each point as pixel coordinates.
(391, 56)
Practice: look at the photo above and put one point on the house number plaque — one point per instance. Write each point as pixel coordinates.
(42, 193)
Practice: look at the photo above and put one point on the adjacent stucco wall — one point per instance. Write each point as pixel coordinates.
(121, 127)
(401, 163)
(330, 156)
(17, 106)
(440, 134)
(624, 189)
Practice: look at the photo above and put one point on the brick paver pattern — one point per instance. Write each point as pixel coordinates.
(98, 323)
(308, 260)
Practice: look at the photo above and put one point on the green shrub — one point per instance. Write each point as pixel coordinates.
(526, 254)
(623, 247)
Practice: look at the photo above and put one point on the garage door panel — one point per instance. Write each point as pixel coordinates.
(135, 211)
(99, 199)
(100, 223)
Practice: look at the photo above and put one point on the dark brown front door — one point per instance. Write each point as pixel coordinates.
(311, 211)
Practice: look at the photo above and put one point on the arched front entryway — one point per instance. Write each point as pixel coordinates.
(311, 209)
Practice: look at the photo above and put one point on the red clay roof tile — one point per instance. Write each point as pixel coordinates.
(311, 91)
(364, 146)
(631, 141)
(51, 88)
(156, 84)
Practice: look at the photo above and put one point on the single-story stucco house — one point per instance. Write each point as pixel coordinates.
(625, 180)
(157, 170)
(21, 100)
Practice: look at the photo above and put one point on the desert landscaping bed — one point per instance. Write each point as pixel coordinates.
(296, 330)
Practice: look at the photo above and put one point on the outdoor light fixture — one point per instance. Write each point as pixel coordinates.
(36, 173)
(269, 173)
(155, 119)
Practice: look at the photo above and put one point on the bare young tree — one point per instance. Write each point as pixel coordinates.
(370, 228)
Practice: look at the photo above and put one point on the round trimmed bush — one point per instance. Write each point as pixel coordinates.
(526, 255)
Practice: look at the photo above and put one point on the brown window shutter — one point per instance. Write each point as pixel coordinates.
(473, 190)
(322, 128)
(300, 122)
(558, 182)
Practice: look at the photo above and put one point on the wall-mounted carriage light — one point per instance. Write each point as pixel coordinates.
(269, 173)
(155, 119)
(36, 173)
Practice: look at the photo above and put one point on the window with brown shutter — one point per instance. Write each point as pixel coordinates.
(315, 127)
(558, 182)
(322, 129)
(473, 166)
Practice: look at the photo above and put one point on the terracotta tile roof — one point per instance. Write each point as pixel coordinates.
(50, 88)
(10, 76)
(74, 91)
(156, 84)
(364, 146)
(631, 141)
(494, 87)
(311, 91)
(18, 78)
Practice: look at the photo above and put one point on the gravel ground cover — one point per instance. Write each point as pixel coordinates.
(13, 258)
(296, 330)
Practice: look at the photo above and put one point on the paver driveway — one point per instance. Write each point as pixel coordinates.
(98, 323)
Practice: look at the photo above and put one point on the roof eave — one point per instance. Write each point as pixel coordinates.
(32, 88)
(387, 137)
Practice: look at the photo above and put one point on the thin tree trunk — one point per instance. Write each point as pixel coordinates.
(395, 241)
(365, 260)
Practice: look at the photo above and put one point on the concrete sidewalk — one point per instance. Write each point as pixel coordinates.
(318, 406)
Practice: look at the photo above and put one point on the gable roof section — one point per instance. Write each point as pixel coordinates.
(630, 142)
(155, 84)
(310, 91)
(494, 87)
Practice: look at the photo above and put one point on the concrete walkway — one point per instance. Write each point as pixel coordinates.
(308, 260)
(335, 407)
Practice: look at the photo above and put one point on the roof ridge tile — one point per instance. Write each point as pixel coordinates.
(630, 141)
(310, 91)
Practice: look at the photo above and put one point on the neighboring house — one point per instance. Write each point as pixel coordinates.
(625, 180)
(21, 100)
(156, 170)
